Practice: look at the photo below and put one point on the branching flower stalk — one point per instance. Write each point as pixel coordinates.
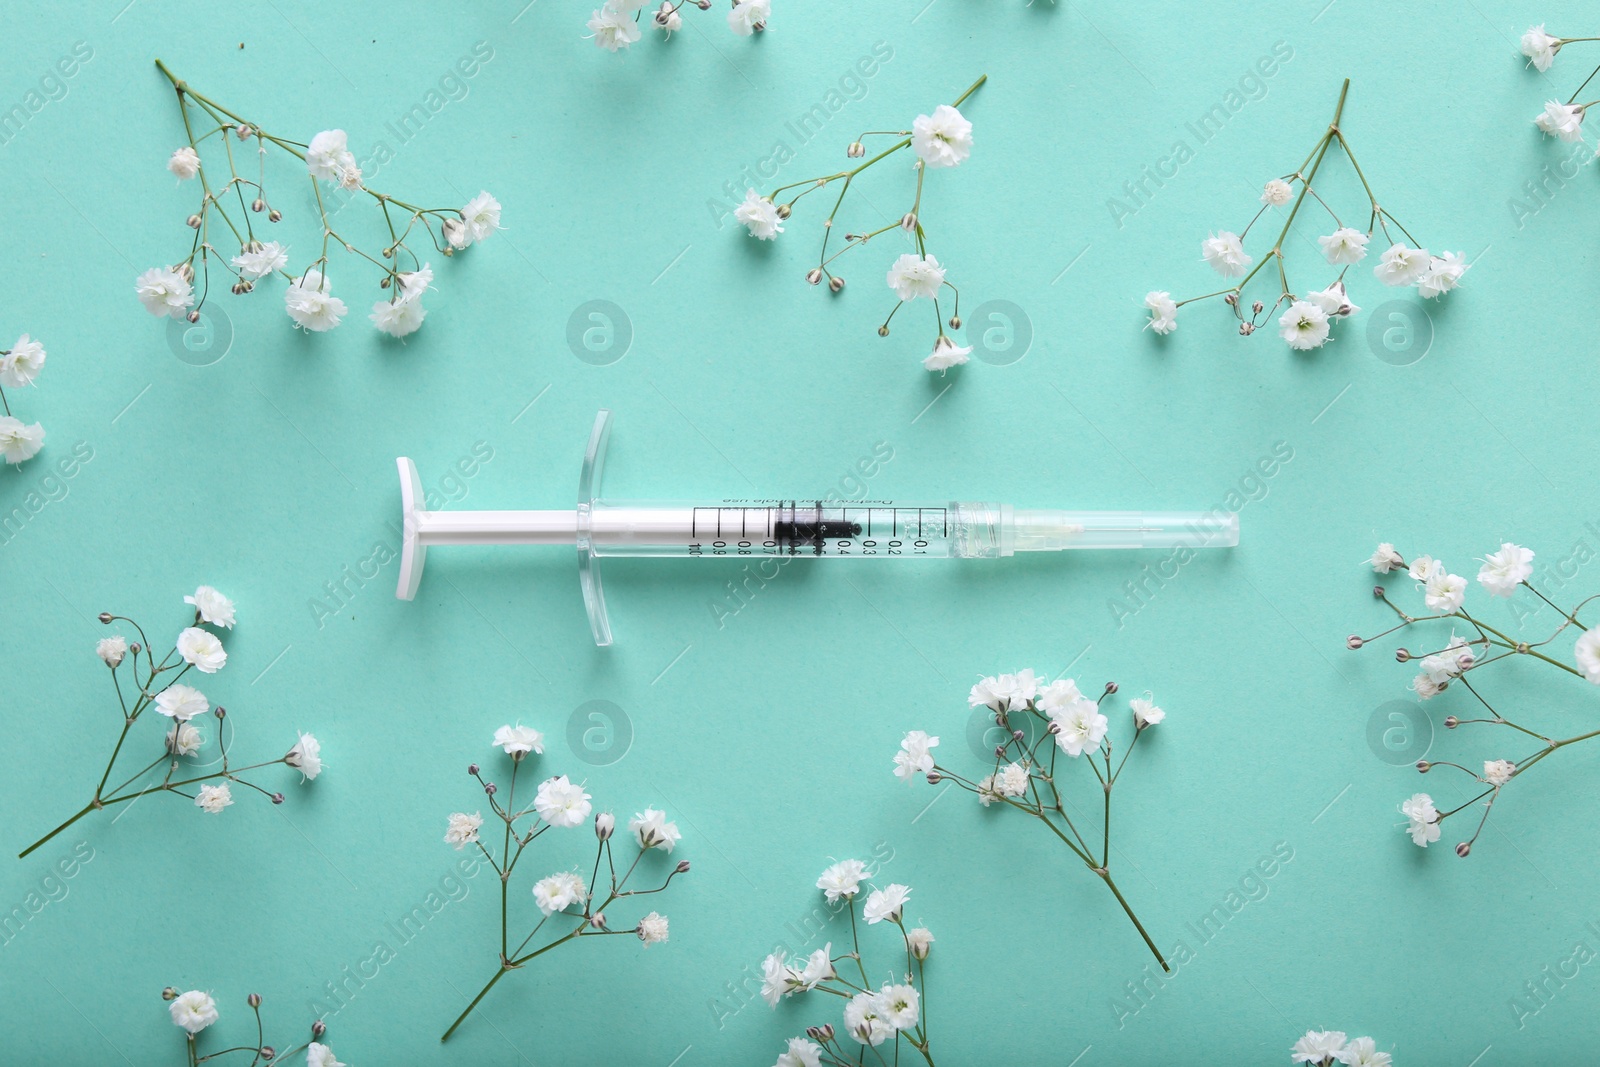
(1308, 314)
(230, 212)
(19, 366)
(943, 139)
(158, 685)
(1505, 574)
(195, 1011)
(572, 908)
(896, 1009)
(1042, 722)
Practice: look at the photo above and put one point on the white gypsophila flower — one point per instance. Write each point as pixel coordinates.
(653, 929)
(1163, 311)
(1506, 569)
(1344, 245)
(414, 283)
(1277, 192)
(800, 1053)
(311, 304)
(201, 650)
(1304, 326)
(1444, 592)
(480, 217)
(400, 317)
(605, 824)
(463, 829)
(1424, 819)
(1424, 567)
(328, 155)
(1427, 686)
(984, 694)
(914, 276)
(19, 441)
(181, 702)
(1011, 780)
(759, 215)
(1497, 772)
(1318, 1046)
(898, 1006)
(1363, 1052)
(213, 798)
(164, 292)
(257, 260)
(557, 892)
(915, 756)
(842, 880)
(194, 1010)
(21, 365)
(885, 903)
(818, 968)
(612, 28)
(320, 1055)
(1443, 274)
(1080, 728)
(862, 1022)
(111, 650)
(184, 740)
(185, 163)
(306, 757)
(1020, 688)
(1401, 264)
(1145, 713)
(1450, 663)
(1059, 696)
(652, 830)
(212, 607)
(519, 740)
(946, 354)
(748, 16)
(1587, 653)
(1540, 47)
(778, 979)
(1386, 559)
(1225, 254)
(942, 139)
(988, 791)
(1561, 120)
(561, 803)
(1334, 301)
(667, 18)
(918, 940)
(350, 178)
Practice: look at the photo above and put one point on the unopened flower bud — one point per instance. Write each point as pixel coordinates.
(908, 221)
(598, 921)
(1018, 735)
(1000, 751)
(319, 1028)
(275, 215)
(918, 941)
(385, 283)
(254, 1000)
(605, 824)
(814, 275)
(683, 867)
(836, 283)
(1451, 722)
(472, 768)
(169, 993)
(823, 1033)
(856, 150)
(1232, 300)
(193, 317)
(1464, 848)
(1353, 642)
(277, 798)
(934, 777)
(105, 617)
(258, 205)
(1246, 329)
(1054, 727)
(1258, 307)
(242, 132)
(184, 270)
(134, 648)
(955, 322)
(703, 5)
(193, 222)
(1401, 655)
(784, 211)
(1423, 766)
(489, 787)
(1377, 591)
(883, 331)
(1111, 687)
(268, 1052)
(220, 712)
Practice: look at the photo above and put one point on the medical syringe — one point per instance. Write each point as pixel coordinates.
(782, 528)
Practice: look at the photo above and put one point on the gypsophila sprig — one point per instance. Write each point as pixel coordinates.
(1027, 775)
(1561, 120)
(1324, 1048)
(614, 25)
(194, 1013)
(1449, 661)
(1308, 315)
(185, 766)
(230, 214)
(892, 1011)
(19, 366)
(572, 907)
(942, 139)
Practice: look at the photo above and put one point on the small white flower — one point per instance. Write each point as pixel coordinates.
(914, 276)
(1426, 686)
(185, 163)
(1424, 567)
(915, 756)
(653, 929)
(842, 880)
(519, 740)
(1011, 780)
(946, 354)
(748, 16)
(1540, 47)
(989, 791)
(1304, 326)
(1454, 661)
(759, 215)
(481, 216)
(184, 740)
(885, 903)
(1498, 772)
(463, 829)
(862, 1022)
(985, 694)
(1080, 728)
(943, 139)
(652, 830)
(801, 1053)
(1386, 559)
(1225, 254)
(1363, 1052)
(1318, 1046)
(818, 968)
(613, 28)
(668, 19)
(21, 365)
(212, 607)
(898, 1006)
(1145, 713)
(1334, 301)
(201, 650)
(350, 178)
(328, 155)
(254, 262)
(213, 798)
(1344, 245)
(557, 892)
(181, 702)
(194, 1010)
(1401, 264)
(1424, 827)
(1277, 192)
(399, 317)
(306, 755)
(1587, 653)
(1443, 274)
(1444, 592)
(319, 1055)
(112, 649)
(918, 941)
(778, 979)
(1163, 311)
(1561, 120)
(561, 803)
(164, 292)
(18, 441)
(1506, 569)
(605, 824)
(311, 304)
(1059, 696)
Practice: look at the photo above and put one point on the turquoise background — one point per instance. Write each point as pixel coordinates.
(767, 733)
